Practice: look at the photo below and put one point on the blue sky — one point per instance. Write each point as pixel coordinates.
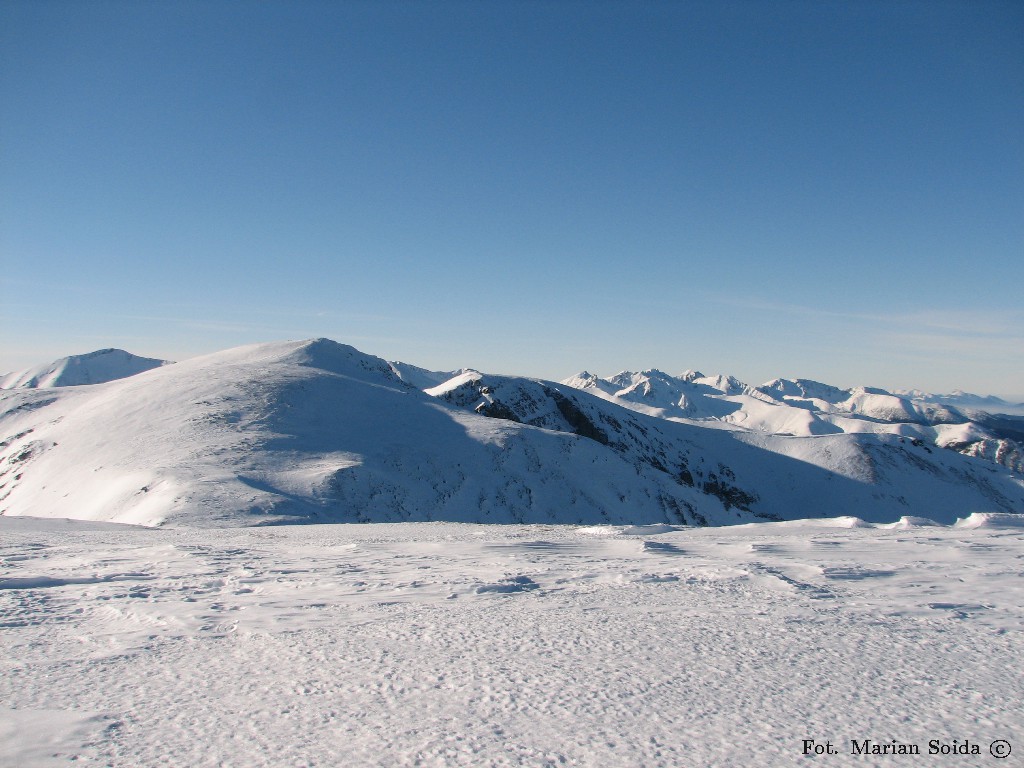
(826, 190)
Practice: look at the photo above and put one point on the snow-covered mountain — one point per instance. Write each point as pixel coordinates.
(421, 378)
(802, 407)
(93, 368)
(318, 431)
(960, 399)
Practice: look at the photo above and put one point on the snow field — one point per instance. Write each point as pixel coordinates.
(448, 644)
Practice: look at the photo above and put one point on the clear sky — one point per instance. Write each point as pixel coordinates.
(826, 190)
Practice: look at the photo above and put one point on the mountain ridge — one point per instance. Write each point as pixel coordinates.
(317, 431)
(804, 407)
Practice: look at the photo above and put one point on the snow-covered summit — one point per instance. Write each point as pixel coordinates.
(803, 388)
(304, 431)
(92, 368)
(315, 430)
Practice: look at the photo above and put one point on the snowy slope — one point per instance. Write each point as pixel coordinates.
(302, 431)
(882, 475)
(92, 368)
(421, 378)
(318, 431)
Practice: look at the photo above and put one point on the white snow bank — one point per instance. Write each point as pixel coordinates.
(991, 520)
(598, 530)
(628, 530)
(648, 530)
(845, 522)
(909, 521)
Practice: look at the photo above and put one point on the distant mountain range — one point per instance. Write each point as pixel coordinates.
(803, 408)
(317, 431)
(962, 399)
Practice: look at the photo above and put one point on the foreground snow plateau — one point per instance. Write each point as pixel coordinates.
(455, 644)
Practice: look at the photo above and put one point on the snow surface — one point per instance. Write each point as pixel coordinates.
(92, 368)
(449, 644)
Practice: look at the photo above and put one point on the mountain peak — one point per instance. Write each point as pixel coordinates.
(317, 430)
(96, 367)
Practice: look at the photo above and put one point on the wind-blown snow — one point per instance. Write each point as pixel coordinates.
(465, 645)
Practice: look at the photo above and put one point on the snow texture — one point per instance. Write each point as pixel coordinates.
(463, 645)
